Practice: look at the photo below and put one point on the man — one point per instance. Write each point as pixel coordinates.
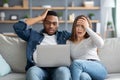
(48, 36)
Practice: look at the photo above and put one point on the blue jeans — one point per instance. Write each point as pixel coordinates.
(87, 70)
(37, 73)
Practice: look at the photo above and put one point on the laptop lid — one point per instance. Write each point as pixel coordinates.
(52, 55)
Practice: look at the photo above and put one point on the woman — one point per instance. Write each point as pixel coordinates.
(84, 42)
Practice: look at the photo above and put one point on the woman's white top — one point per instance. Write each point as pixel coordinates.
(87, 48)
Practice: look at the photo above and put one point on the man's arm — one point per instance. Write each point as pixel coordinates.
(21, 27)
(31, 21)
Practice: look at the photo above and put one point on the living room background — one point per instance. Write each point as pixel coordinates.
(64, 8)
(19, 10)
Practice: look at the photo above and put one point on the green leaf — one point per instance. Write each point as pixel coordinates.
(109, 23)
(5, 1)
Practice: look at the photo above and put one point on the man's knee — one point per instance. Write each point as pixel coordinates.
(62, 73)
(35, 73)
(34, 69)
(63, 70)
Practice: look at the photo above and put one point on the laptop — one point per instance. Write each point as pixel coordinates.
(52, 55)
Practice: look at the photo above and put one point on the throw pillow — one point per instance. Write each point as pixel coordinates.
(14, 51)
(4, 67)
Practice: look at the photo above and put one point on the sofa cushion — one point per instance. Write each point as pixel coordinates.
(4, 67)
(114, 76)
(14, 76)
(13, 50)
(110, 54)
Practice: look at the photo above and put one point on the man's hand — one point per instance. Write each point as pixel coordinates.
(31, 21)
(43, 15)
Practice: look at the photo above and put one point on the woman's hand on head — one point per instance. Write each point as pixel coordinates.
(83, 21)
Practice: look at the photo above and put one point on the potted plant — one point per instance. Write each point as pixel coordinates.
(5, 3)
(109, 25)
(60, 14)
(110, 31)
(91, 16)
(26, 16)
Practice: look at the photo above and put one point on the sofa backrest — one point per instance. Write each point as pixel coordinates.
(13, 49)
(110, 55)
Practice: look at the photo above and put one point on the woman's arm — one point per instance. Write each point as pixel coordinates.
(95, 37)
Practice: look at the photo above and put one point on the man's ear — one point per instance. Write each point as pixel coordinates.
(44, 21)
(58, 24)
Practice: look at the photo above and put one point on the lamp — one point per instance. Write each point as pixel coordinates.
(2, 15)
(109, 3)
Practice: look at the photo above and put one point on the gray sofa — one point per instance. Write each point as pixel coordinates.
(13, 50)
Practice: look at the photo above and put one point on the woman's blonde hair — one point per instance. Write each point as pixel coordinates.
(73, 37)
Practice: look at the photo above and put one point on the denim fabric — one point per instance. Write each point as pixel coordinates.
(60, 73)
(34, 38)
(87, 70)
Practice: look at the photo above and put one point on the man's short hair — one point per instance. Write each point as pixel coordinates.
(52, 13)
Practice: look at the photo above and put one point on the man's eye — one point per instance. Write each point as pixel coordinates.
(54, 23)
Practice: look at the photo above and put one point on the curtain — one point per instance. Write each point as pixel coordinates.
(114, 21)
(118, 18)
(107, 18)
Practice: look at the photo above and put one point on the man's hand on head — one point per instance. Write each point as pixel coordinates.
(43, 15)
(31, 21)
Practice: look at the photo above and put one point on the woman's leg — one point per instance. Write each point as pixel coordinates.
(94, 68)
(76, 70)
(36, 73)
(61, 73)
(85, 76)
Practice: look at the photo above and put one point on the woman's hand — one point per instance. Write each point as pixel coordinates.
(83, 21)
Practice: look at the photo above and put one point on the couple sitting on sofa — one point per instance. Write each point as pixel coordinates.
(86, 64)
